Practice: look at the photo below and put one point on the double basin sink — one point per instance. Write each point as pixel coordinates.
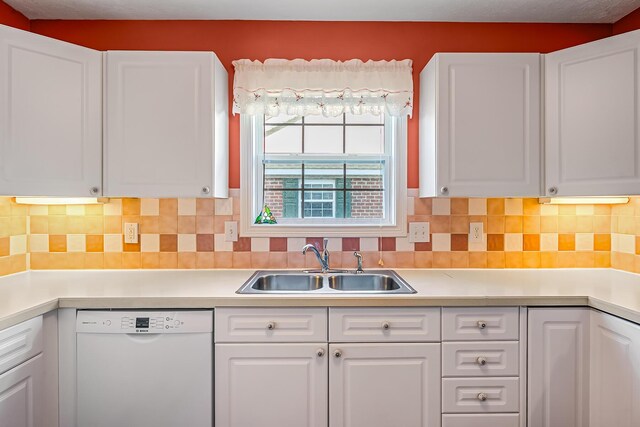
(295, 282)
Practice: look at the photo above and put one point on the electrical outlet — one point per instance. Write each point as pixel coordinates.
(230, 231)
(476, 232)
(419, 232)
(130, 232)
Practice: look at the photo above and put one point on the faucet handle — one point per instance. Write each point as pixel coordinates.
(325, 243)
(358, 256)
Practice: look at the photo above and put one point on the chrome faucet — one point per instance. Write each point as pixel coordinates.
(358, 256)
(322, 259)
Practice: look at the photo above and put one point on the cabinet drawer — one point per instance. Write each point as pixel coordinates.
(478, 395)
(270, 325)
(384, 324)
(484, 420)
(479, 359)
(474, 324)
(20, 342)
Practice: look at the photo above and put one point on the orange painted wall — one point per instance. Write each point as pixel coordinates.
(336, 40)
(628, 23)
(11, 17)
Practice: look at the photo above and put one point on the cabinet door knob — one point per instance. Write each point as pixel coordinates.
(320, 352)
(94, 190)
(482, 324)
(482, 397)
(271, 325)
(444, 190)
(481, 361)
(386, 325)
(206, 190)
(337, 353)
(553, 190)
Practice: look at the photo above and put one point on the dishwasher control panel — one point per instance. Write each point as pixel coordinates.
(144, 322)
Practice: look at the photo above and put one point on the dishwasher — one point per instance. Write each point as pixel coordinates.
(144, 368)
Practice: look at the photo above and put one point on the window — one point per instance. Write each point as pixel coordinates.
(337, 175)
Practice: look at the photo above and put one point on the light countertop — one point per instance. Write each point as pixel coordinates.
(29, 294)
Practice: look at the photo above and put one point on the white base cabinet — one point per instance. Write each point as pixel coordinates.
(382, 385)
(592, 145)
(50, 117)
(21, 395)
(166, 130)
(480, 125)
(271, 385)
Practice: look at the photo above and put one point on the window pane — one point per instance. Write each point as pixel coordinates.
(364, 139)
(365, 175)
(283, 139)
(283, 119)
(323, 173)
(283, 204)
(282, 175)
(323, 139)
(365, 118)
(365, 204)
(322, 119)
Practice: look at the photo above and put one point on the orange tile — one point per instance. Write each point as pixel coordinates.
(479, 218)
(168, 207)
(59, 261)
(93, 225)
(18, 225)
(459, 242)
(495, 224)
(5, 226)
(149, 224)
(389, 259)
(57, 224)
(218, 225)
(94, 261)
(76, 224)
(57, 243)
(459, 206)
(130, 206)
(4, 246)
(567, 259)
(130, 247)
(602, 209)
(113, 260)
(131, 260)
(94, 210)
(548, 259)
(297, 260)
(460, 224)
(531, 242)
(478, 259)
(186, 224)
(567, 224)
(601, 224)
(17, 263)
(495, 207)
(531, 224)
(626, 225)
(495, 242)
(259, 260)
(150, 260)
(39, 224)
(57, 209)
(205, 260)
(168, 260)
(205, 207)
(241, 260)
(566, 242)
(459, 259)
(440, 223)
(496, 260)
(637, 245)
(204, 225)
(603, 259)
(95, 243)
(585, 260)
(513, 260)
(441, 259)
(225, 260)
(548, 224)
(602, 242)
(422, 206)
(513, 224)
(187, 260)
(169, 243)
(566, 209)
(531, 206)
(584, 224)
(168, 224)
(423, 259)
(405, 259)
(531, 260)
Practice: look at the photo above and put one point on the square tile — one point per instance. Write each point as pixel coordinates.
(57, 243)
(477, 206)
(566, 242)
(549, 242)
(441, 207)
(441, 242)
(187, 207)
(150, 243)
(204, 207)
(242, 245)
(388, 244)
(5, 246)
(169, 243)
(187, 243)
(531, 242)
(495, 206)
(369, 244)
(150, 207)
(18, 245)
(350, 244)
(602, 242)
(114, 207)
(259, 244)
(130, 206)
(513, 242)
(76, 243)
(459, 206)
(403, 245)
(112, 243)
(495, 242)
(95, 243)
(513, 207)
(76, 210)
(224, 206)
(459, 242)
(295, 244)
(277, 244)
(169, 207)
(221, 245)
(204, 243)
(584, 241)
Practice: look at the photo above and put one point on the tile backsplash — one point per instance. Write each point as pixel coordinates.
(189, 233)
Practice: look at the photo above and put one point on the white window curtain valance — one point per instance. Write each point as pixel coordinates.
(322, 86)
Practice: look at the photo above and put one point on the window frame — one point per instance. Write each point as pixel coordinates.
(251, 143)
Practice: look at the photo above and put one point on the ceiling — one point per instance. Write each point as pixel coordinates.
(578, 11)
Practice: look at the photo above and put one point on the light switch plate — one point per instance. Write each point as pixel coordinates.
(130, 232)
(475, 232)
(230, 231)
(419, 232)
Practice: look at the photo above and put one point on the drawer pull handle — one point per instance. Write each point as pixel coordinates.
(482, 397)
(337, 354)
(482, 324)
(386, 325)
(481, 361)
(271, 325)
(320, 352)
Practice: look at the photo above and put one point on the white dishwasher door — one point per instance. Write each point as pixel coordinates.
(134, 371)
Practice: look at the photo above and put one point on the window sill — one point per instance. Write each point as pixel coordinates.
(280, 230)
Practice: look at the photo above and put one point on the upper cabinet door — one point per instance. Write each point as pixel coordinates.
(592, 117)
(50, 117)
(166, 124)
(480, 125)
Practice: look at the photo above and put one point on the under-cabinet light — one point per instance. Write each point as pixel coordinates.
(583, 200)
(61, 200)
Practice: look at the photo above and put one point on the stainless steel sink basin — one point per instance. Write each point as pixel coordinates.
(295, 282)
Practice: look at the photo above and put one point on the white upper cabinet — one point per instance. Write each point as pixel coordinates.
(480, 125)
(50, 116)
(592, 117)
(166, 131)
